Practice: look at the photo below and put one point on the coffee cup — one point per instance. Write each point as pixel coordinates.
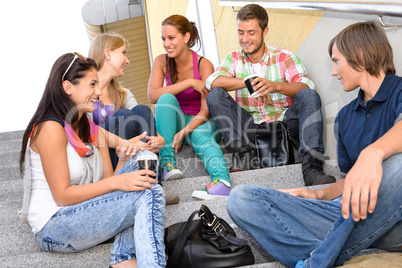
(247, 80)
(148, 161)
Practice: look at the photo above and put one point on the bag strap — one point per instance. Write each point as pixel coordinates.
(181, 241)
(220, 227)
(217, 224)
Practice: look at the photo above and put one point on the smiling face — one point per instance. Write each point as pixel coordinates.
(118, 60)
(251, 36)
(85, 93)
(350, 78)
(173, 41)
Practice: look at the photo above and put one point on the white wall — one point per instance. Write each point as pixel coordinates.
(34, 34)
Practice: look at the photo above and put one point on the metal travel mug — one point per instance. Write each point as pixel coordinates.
(149, 162)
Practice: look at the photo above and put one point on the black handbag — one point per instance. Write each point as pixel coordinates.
(206, 242)
(275, 144)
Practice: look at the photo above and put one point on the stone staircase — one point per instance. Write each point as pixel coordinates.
(19, 249)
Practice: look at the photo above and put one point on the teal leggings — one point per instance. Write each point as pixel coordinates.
(170, 119)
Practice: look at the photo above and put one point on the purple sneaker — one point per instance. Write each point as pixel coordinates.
(218, 188)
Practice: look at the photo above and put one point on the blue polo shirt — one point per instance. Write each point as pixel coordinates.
(358, 125)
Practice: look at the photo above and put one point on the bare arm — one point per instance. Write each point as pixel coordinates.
(198, 120)
(289, 89)
(328, 193)
(265, 87)
(51, 145)
(261, 85)
(113, 141)
(228, 83)
(156, 81)
(363, 180)
(206, 69)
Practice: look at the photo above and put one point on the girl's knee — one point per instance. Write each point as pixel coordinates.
(166, 98)
(158, 197)
(125, 113)
(206, 133)
(157, 190)
(141, 110)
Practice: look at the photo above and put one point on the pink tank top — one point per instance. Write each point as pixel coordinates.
(189, 99)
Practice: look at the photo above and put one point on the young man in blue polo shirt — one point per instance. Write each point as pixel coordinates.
(364, 208)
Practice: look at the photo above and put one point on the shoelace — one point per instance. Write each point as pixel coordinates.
(169, 167)
(213, 184)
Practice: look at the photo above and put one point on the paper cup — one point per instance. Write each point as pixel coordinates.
(247, 80)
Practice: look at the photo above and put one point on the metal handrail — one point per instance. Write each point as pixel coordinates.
(386, 9)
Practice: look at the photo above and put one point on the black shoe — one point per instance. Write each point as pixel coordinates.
(312, 170)
(245, 160)
(315, 176)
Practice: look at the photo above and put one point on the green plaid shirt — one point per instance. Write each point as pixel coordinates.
(278, 65)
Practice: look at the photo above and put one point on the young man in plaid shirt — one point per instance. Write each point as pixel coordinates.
(286, 95)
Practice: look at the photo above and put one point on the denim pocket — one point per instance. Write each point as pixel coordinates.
(51, 245)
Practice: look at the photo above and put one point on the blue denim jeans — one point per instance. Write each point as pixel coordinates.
(134, 219)
(128, 124)
(292, 228)
(170, 119)
(304, 118)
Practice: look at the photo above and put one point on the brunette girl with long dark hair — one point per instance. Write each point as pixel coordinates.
(73, 200)
(182, 115)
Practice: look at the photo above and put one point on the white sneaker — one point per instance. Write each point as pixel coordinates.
(171, 173)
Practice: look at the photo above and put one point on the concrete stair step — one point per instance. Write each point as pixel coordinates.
(99, 255)
(192, 166)
(177, 213)
(11, 227)
(95, 257)
(11, 191)
(9, 172)
(8, 215)
(22, 249)
(11, 135)
(9, 157)
(277, 177)
(10, 145)
(18, 240)
(266, 265)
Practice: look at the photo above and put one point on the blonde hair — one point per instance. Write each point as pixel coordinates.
(96, 52)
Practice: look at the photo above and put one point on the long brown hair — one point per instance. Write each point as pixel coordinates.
(55, 100)
(365, 46)
(183, 25)
(96, 52)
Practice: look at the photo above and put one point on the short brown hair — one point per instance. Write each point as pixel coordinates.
(365, 46)
(254, 11)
